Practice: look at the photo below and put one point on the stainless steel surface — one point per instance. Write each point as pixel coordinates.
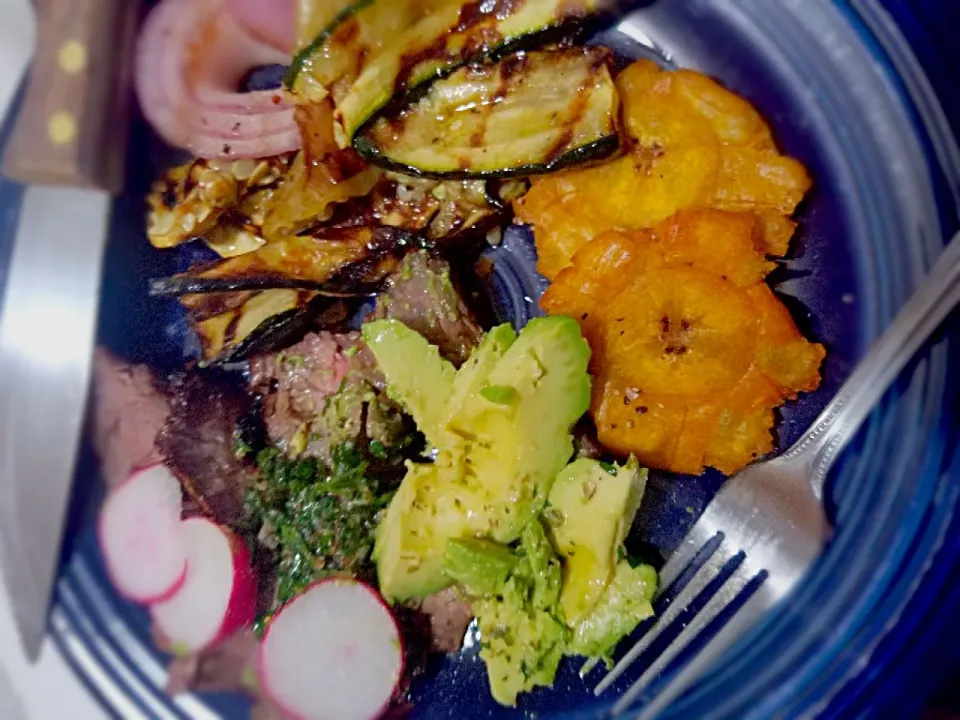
(18, 41)
(46, 348)
(768, 520)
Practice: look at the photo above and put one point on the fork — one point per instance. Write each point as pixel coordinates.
(768, 520)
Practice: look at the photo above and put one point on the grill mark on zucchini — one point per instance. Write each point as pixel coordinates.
(484, 99)
(563, 32)
(472, 15)
(229, 335)
(577, 108)
(511, 69)
(433, 41)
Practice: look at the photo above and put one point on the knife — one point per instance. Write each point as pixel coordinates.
(68, 146)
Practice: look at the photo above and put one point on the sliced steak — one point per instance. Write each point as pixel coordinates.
(298, 382)
(127, 411)
(228, 666)
(199, 442)
(422, 296)
(323, 392)
(449, 618)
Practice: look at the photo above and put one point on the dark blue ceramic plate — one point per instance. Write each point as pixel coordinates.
(844, 92)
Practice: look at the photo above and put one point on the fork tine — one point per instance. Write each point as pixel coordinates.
(738, 625)
(588, 667)
(679, 560)
(730, 589)
(704, 575)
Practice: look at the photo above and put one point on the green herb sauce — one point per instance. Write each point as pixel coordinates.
(321, 519)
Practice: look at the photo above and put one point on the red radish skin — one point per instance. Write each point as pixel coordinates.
(218, 595)
(334, 651)
(190, 56)
(140, 535)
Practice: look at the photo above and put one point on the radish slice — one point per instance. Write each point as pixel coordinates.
(332, 652)
(141, 537)
(218, 596)
(190, 57)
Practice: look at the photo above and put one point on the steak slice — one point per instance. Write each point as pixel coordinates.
(449, 618)
(199, 442)
(422, 296)
(127, 411)
(324, 392)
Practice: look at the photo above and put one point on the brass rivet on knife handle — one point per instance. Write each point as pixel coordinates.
(72, 127)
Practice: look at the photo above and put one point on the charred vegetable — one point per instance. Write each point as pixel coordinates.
(189, 200)
(529, 113)
(441, 209)
(335, 261)
(328, 65)
(313, 17)
(377, 50)
(320, 176)
(235, 325)
(453, 34)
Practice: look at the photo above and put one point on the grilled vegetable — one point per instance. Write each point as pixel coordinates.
(189, 200)
(320, 177)
(376, 50)
(355, 35)
(443, 210)
(530, 113)
(335, 261)
(451, 35)
(235, 326)
(313, 17)
(232, 236)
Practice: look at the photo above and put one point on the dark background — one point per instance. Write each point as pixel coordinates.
(932, 27)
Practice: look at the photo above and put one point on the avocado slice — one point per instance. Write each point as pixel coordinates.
(411, 540)
(518, 436)
(417, 377)
(473, 377)
(496, 459)
(480, 566)
(591, 508)
(624, 604)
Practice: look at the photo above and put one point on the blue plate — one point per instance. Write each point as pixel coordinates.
(846, 94)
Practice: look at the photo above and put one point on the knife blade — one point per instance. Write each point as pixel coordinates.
(69, 141)
(46, 342)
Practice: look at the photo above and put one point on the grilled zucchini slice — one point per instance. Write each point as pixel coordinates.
(338, 55)
(377, 50)
(529, 113)
(452, 35)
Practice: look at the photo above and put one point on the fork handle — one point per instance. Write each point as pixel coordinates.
(912, 327)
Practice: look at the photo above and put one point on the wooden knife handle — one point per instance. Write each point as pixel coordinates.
(72, 127)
